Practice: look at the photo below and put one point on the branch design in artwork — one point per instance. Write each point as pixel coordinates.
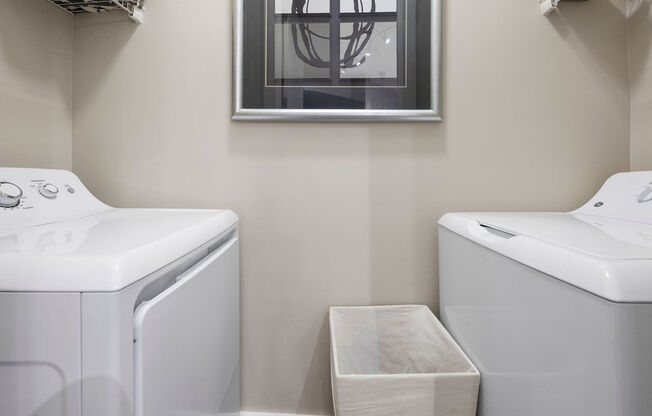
(302, 35)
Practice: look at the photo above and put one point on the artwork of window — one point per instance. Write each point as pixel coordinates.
(337, 60)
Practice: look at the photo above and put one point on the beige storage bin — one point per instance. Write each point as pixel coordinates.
(398, 361)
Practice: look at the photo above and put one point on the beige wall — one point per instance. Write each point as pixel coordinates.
(640, 64)
(35, 84)
(536, 117)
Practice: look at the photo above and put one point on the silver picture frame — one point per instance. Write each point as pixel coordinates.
(432, 114)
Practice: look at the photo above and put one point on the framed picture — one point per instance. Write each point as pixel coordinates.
(338, 60)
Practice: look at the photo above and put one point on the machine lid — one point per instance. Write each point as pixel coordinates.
(610, 239)
(604, 248)
(103, 252)
(610, 259)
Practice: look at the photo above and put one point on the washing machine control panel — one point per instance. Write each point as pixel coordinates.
(26, 194)
(39, 196)
(626, 196)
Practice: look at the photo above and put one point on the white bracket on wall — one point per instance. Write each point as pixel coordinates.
(548, 6)
(134, 8)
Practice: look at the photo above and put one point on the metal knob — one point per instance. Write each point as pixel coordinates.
(10, 195)
(645, 195)
(49, 191)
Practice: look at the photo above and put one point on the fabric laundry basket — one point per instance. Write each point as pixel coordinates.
(398, 361)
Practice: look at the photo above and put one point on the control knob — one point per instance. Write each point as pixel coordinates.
(645, 194)
(10, 195)
(49, 191)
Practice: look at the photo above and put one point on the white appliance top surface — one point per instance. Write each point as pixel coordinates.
(74, 243)
(605, 247)
(596, 236)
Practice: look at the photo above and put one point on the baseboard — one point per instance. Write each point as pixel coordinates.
(271, 414)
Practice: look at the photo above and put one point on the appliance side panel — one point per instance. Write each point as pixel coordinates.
(108, 337)
(186, 351)
(107, 352)
(634, 343)
(40, 370)
(543, 347)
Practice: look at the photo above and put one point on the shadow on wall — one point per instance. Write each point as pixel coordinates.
(332, 139)
(110, 33)
(640, 26)
(20, 44)
(587, 26)
(318, 384)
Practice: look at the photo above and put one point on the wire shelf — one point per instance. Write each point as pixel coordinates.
(95, 6)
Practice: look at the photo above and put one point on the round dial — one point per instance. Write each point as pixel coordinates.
(10, 195)
(49, 191)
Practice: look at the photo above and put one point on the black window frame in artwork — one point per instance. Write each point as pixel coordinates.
(335, 19)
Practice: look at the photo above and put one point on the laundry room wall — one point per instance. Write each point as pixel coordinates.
(640, 64)
(536, 117)
(36, 42)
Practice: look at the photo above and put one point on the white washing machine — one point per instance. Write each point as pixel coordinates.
(555, 309)
(107, 312)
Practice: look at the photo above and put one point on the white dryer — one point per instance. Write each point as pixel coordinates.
(555, 309)
(107, 312)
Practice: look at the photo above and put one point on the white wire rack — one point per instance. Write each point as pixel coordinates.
(133, 7)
